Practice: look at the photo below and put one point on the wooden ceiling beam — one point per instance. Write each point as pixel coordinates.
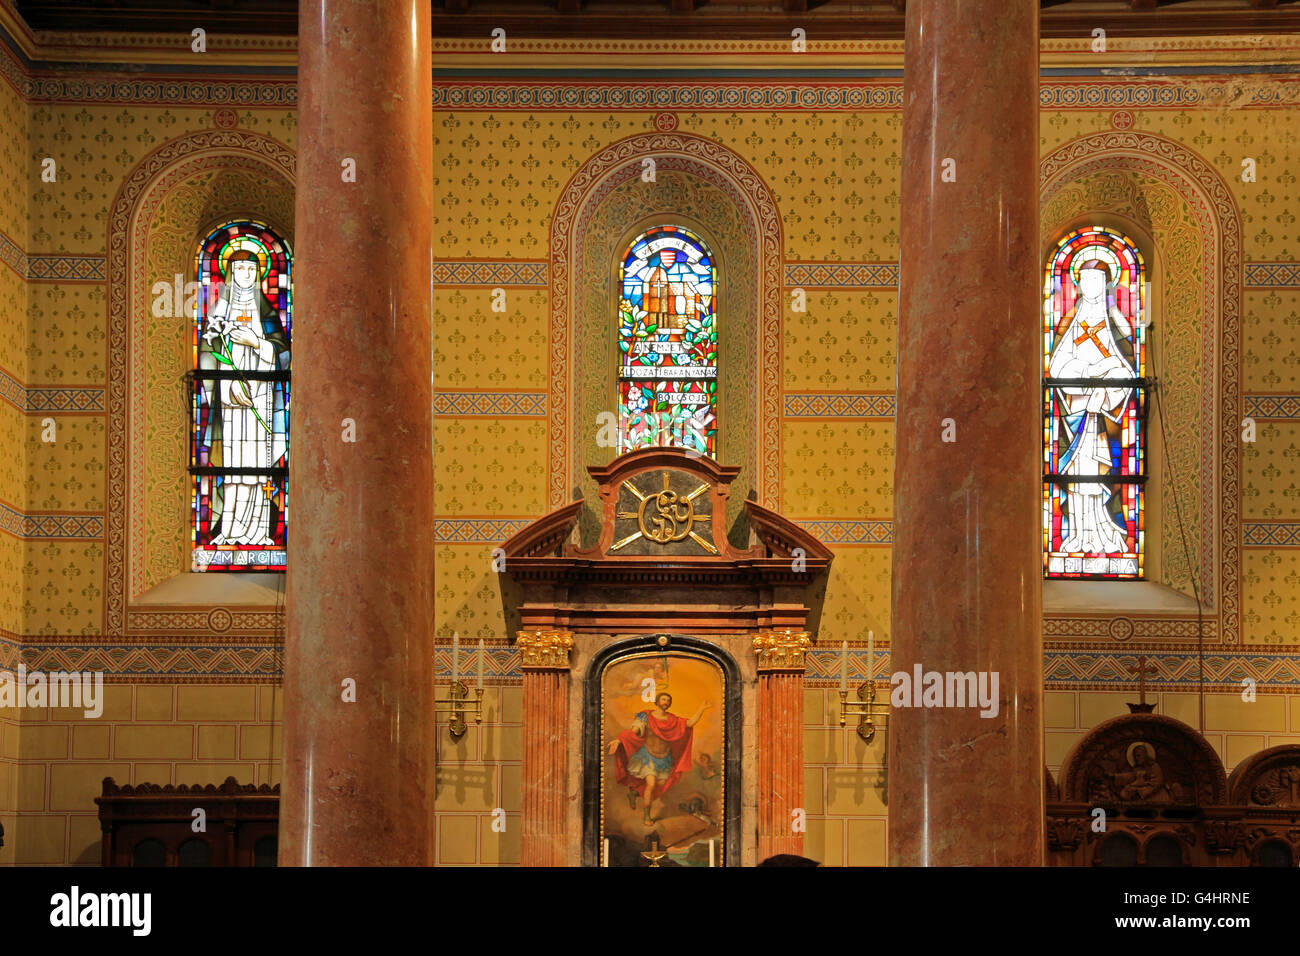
(651, 19)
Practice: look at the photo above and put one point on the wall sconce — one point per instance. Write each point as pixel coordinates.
(458, 704)
(865, 707)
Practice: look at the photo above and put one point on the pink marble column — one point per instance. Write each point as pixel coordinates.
(358, 776)
(544, 656)
(967, 566)
(780, 740)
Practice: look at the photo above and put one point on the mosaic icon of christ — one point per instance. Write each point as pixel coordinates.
(1092, 341)
(243, 325)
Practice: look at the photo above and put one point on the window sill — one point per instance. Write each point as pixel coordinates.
(1134, 597)
(219, 589)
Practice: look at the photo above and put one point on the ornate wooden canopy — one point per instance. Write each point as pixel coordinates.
(664, 558)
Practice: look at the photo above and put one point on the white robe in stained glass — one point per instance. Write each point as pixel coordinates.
(245, 513)
(1088, 350)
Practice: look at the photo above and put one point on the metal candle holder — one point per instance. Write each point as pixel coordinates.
(864, 708)
(457, 706)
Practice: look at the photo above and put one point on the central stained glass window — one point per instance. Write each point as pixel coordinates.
(668, 343)
(1094, 407)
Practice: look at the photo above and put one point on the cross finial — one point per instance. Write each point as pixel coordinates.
(1142, 670)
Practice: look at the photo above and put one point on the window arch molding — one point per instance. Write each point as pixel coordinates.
(155, 221)
(697, 177)
(1154, 175)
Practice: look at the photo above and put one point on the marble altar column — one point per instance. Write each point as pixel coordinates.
(358, 681)
(967, 789)
(545, 659)
(780, 740)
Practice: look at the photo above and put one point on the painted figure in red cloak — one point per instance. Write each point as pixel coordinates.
(649, 758)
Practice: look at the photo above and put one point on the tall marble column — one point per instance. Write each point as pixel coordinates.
(967, 567)
(780, 740)
(358, 773)
(545, 661)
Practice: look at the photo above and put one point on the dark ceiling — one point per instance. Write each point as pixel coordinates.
(706, 19)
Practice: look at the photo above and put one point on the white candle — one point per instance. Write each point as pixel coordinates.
(480, 663)
(713, 853)
(606, 863)
(844, 666)
(455, 661)
(871, 655)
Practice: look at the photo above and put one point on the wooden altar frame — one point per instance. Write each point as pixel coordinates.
(593, 603)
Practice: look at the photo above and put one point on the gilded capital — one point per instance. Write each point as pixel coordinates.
(781, 650)
(545, 650)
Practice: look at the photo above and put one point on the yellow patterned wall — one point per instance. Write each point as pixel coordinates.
(16, 169)
(497, 177)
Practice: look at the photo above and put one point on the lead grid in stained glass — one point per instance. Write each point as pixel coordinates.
(240, 399)
(1094, 404)
(668, 342)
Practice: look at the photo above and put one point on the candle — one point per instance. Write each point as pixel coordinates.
(480, 663)
(606, 863)
(871, 655)
(713, 853)
(455, 660)
(844, 666)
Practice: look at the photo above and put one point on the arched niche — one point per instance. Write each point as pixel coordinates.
(1179, 210)
(167, 204)
(702, 185)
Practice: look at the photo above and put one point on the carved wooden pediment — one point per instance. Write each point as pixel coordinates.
(663, 510)
(1146, 760)
(1270, 778)
(663, 554)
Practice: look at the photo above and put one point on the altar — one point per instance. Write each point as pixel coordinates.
(663, 669)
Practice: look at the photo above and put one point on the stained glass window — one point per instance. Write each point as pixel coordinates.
(1094, 407)
(668, 343)
(240, 399)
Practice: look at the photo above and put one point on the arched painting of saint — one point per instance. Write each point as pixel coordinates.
(662, 761)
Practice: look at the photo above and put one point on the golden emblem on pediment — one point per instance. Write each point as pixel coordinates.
(664, 516)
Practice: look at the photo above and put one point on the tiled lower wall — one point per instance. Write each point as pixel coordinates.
(478, 774)
(147, 733)
(151, 733)
(845, 785)
(8, 782)
(1234, 728)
